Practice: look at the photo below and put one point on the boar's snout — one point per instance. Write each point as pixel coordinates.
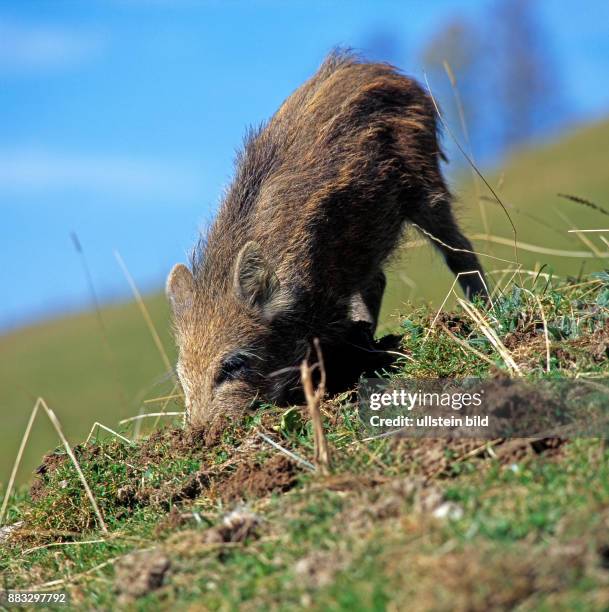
(222, 338)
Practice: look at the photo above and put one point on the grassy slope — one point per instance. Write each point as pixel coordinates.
(66, 361)
(527, 524)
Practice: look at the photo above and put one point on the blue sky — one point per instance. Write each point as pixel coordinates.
(120, 118)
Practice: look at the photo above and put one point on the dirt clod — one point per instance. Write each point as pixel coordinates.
(140, 573)
(50, 463)
(255, 479)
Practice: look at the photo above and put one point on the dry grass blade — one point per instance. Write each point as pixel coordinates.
(470, 161)
(456, 250)
(452, 290)
(144, 310)
(545, 327)
(164, 407)
(461, 111)
(595, 281)
(286, 452)
(314, 398)
(109, 430)
(543, 222)
(387, 434)
(150, 414)
(492, 337)
(466, 346)
(11, 481)
(53, 544)
(532, 273)
(156, 400)
(535, 273)
(534, 248)
(110, 357)
(587, 231)
(66, 444)
(580, 235)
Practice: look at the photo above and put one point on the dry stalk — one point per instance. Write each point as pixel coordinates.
(534, 248)
(144, 310)
(459, 104)
(11, 482)
(155, 400)
(466, 346)
(286, 452)
(492, 337)
(99, 426)
(314, 399)
(545, 329)
(55, 422)
(150, 414)
(580, 235)
(165, 404)
(452, 290)
(110, 356)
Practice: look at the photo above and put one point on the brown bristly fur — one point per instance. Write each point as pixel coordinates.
(321, 196)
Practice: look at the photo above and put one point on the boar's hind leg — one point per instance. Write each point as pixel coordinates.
(366, 304)
(438, 220)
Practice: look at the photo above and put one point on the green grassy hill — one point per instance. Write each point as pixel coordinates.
(66, 360)
(528, 184)
(227, 520)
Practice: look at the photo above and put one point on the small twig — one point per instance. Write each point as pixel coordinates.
(286, 452)
(314, 398)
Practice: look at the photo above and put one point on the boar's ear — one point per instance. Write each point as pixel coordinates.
(255, 281)
(180, 288)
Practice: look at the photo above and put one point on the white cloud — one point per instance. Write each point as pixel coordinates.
(34, 48)
(37, 172)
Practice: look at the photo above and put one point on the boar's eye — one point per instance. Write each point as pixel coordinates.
(232, 367)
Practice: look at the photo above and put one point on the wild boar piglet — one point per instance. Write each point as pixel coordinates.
(321, 196)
